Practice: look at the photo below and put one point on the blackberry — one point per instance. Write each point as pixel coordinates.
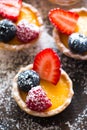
(7, 30)
(77, 43)
(28, 79)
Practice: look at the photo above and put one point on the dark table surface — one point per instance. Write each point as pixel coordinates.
(11, 116)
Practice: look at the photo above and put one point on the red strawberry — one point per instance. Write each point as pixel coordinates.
(15, 3)
(64, 21)
(10, 9)
(47, 65)
(37, 99)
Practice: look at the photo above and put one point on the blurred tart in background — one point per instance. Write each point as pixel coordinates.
(20, 25)
(70, 31)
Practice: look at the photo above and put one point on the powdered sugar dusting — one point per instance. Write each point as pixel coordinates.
(85, 90)
(80, 123)
(12, 117)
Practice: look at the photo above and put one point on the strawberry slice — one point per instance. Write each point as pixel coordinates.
(47, 65)
(64, 21)
(15, 3)
(10, 9)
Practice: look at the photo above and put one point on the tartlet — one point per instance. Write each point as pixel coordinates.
(64, 90)
(62, 39)
(30, 14)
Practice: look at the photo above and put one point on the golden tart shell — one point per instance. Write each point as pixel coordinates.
(22, 104)
(39, 22)
(62, 47)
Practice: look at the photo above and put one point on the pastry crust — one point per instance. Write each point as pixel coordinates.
(7, 46)
(22, 104)
(62, 47)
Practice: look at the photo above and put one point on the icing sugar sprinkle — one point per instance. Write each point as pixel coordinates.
(13, 118)
(78, 123)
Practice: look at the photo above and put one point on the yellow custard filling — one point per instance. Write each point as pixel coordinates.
(80, 27)
(29, 15)
(82, 23)
(57, 94)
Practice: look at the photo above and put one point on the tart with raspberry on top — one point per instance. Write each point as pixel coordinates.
(43, 88)
(20, 25)
(70, 31)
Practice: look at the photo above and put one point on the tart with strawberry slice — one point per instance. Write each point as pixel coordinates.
(43, 88)
(70, 31)
(20, 25)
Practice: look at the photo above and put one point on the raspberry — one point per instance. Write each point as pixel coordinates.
(37, 99)
(27, 32)
(28, 79)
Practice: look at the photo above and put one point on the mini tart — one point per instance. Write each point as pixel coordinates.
(60, 95)
(62, 39)
(31, 14)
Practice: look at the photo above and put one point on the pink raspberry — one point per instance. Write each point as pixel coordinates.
(37, 99)
(27, 32)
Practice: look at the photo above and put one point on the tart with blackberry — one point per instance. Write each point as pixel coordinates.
(70, 31)
(20, 25)
(43, 88)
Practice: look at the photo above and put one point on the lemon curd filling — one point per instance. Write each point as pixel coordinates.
(82, 23)
(80, 27)
(58, 94)
(28, 15)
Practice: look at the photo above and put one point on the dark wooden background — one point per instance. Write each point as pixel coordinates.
(11, 116)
